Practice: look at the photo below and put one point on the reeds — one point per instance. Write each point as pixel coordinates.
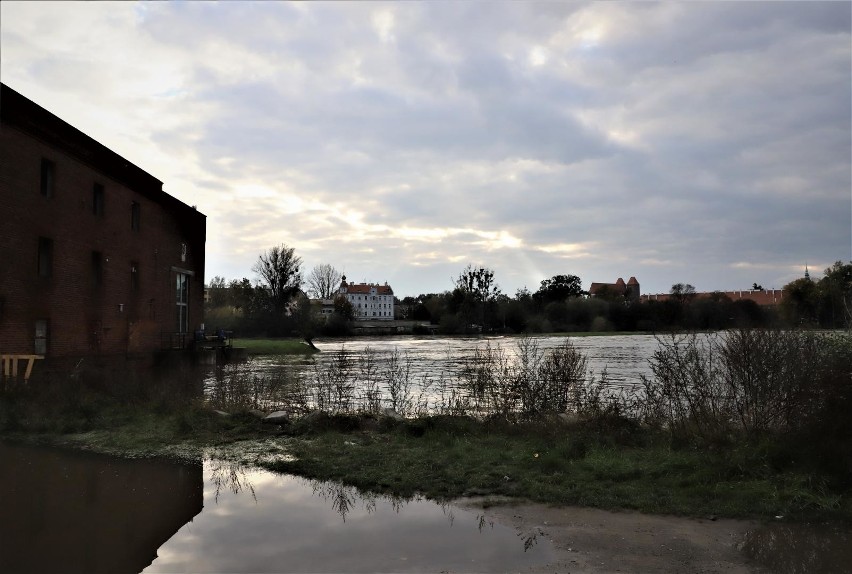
(519, 383)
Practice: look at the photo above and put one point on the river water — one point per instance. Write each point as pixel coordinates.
(433, 362)
(625, 357)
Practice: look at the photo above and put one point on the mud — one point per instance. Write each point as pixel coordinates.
(597, 541)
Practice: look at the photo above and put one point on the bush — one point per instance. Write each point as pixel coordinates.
(793, 386)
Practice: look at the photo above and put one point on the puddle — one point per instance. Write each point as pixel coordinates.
(69, 511)
(800, 548)
(257, 521)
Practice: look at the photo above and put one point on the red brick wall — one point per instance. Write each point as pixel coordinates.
(766, 297)
(85, 319)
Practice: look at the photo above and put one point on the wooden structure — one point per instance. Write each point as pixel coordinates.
(9, 364)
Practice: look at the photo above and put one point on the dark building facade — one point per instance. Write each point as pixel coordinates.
(629, 290)
(95, 258)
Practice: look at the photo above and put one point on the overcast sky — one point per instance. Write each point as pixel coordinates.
(706, 143)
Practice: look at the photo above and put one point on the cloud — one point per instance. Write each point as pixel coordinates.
(400, 141)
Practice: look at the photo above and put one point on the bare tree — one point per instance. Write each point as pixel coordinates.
(323, 281)
(279, 270)
(683, 293)
(477, 283)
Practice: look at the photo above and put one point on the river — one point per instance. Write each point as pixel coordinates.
(434, 362)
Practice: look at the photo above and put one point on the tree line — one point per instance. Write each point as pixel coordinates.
(476, 304)
(277, 303)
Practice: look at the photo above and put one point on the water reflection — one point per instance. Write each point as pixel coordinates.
(71, 511)
(66, 511)
(264, 522)
(800, 548)
(228, 477)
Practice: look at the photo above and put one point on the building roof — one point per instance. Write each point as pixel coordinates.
(617, 287)
(365, 288)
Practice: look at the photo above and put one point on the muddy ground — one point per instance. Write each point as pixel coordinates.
(588, 540)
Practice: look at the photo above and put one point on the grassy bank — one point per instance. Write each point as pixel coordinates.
(605, 464)
(555, 463)
(275, 346)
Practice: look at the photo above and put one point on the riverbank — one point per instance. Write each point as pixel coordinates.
(606, 463)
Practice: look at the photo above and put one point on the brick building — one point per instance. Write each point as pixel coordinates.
(629, 290)
(763, 297)
(95, 258)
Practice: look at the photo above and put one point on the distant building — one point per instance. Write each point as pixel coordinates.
(95, 258)
(323, 307)
(629, 290)
(763, 297)
(370, 302)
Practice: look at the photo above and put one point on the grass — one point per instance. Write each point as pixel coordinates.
(274, 346)
(449, 457)
(557, 465)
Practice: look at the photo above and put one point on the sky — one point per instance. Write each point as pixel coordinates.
(704, 143)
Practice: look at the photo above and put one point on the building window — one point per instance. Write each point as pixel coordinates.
(134, 216)
(40, 346)
(45, 257)
(98, 199)
(182, 300)
(97, 268)
(47, 177)
(134, 277)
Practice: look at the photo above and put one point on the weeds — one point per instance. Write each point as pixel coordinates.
(239, 387)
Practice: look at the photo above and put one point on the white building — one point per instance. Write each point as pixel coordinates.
(369, 302)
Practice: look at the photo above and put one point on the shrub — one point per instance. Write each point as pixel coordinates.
(793, 385)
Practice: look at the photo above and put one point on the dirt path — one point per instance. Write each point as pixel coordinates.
(596, 541)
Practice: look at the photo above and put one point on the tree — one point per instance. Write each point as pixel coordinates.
(242, 295)
(279, 269)
(477, 286)
(218, 292)
(835, 296)
(559, 288)
(323, 281)
(479, 282)
(343, 308)
(799, 305)
(683, 292)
